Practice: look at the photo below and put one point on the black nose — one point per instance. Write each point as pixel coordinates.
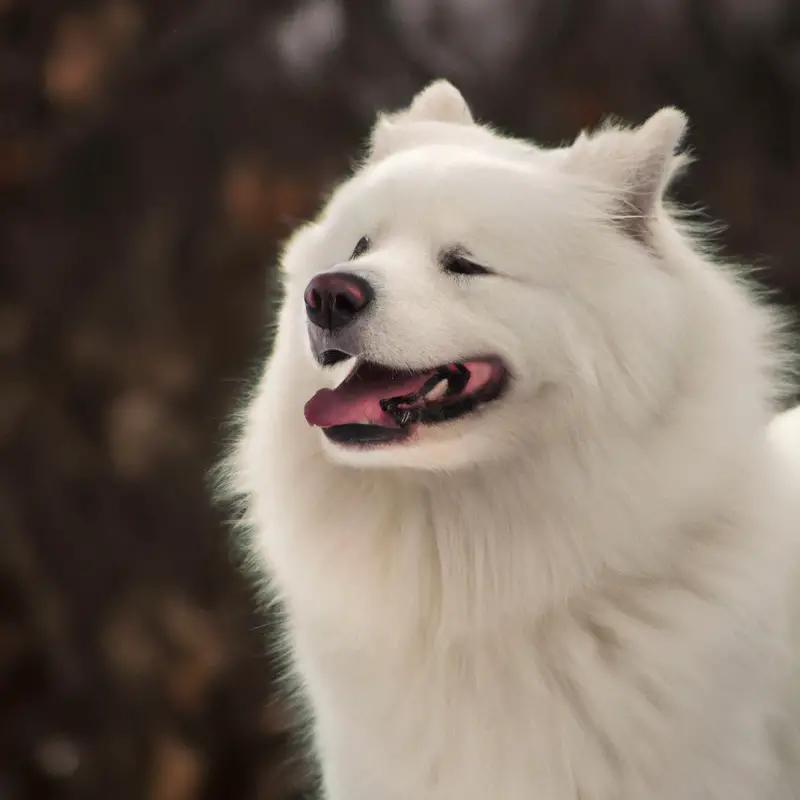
(333, 299)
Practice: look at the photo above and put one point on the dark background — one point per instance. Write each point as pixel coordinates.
(153, 153)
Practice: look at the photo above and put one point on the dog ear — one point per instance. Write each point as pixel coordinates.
(635, 164)
(440, 101)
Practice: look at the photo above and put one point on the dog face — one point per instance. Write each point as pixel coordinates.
(464, 295)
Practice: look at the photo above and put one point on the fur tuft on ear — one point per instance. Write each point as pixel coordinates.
(635, 164)
(440, 101)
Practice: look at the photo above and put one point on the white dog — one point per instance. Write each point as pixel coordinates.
(508, 474)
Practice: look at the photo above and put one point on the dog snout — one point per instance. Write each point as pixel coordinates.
(335, 299)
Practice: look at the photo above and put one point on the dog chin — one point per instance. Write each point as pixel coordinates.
(457, 446)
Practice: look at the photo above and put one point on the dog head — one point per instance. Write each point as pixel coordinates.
(464, 294)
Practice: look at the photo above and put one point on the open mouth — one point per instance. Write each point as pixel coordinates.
(379, 405)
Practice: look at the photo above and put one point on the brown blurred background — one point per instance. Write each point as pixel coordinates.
(153, 153)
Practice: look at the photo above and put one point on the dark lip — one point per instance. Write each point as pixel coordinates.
(358, 436)
(329, 358)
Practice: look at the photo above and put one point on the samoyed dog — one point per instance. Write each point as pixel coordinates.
(507, 472)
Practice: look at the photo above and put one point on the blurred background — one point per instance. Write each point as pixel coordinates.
(153, 154)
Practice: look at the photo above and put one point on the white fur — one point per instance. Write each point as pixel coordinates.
(584, 591)
(785, 433)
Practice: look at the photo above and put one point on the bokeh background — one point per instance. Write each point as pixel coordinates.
(153, 153)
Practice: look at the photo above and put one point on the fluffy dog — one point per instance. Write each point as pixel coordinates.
(508, 473)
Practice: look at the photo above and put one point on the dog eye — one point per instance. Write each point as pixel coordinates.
(361, 247)
(458, 264)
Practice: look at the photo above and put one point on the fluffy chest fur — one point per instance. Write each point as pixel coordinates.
(602, 703)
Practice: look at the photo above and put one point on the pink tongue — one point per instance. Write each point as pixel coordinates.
(359, 401)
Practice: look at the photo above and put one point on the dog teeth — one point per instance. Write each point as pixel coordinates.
(438, 391)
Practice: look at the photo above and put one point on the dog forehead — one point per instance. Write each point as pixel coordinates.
(499, 208)
(435, 164)
(429, 184)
